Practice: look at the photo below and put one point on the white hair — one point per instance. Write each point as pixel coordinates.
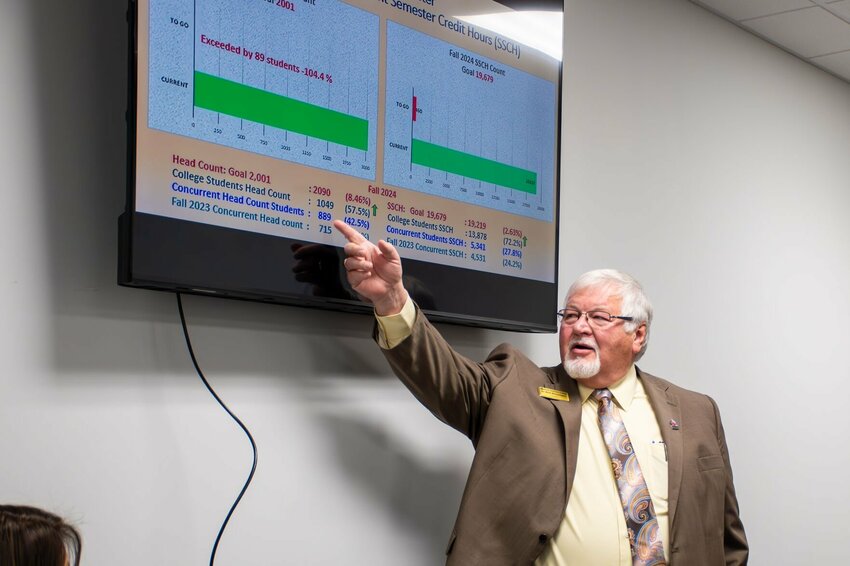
(635, 303)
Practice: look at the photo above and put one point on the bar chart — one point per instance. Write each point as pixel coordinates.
(482, 133)
(256, 76)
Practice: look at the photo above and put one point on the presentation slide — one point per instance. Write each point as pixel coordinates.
(402, 118)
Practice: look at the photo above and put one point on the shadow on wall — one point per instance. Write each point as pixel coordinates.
(79, 55)
(421, 497)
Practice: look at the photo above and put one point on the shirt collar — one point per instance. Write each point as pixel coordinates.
(623, 390)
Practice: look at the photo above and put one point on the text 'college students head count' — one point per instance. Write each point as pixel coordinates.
(591, 461)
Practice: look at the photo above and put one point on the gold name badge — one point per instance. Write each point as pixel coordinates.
(555, 394)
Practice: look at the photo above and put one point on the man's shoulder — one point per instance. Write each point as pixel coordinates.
(516, 363)
(504, 354)
(508, 351)
(670, 388)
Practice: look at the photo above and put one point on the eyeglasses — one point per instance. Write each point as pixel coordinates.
(597, 319)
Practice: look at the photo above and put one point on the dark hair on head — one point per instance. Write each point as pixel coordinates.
(32, 537)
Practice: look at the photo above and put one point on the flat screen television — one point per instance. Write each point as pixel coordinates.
(255, 123)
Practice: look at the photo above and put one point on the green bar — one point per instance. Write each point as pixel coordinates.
(467, 165)
(263, 107)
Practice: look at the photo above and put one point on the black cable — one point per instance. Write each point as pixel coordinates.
(229, 412)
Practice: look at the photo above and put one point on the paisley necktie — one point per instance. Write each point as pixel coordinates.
(642, 525)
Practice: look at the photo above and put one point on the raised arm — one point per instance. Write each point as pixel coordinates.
(373, 271)
(454, 388)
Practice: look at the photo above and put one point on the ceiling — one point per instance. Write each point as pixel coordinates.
(816, 31)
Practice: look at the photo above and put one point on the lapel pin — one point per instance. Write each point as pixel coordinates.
(674, 424)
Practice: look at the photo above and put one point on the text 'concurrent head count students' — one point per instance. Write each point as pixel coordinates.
(590, 462)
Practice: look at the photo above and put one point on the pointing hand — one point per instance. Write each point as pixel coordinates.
(373, 271)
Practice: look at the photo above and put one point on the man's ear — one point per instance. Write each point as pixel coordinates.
(640, 338)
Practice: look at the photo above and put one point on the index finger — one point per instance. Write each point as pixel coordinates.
(350, 233)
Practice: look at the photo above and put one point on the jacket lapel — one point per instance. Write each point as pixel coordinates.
(570, 413)
(669, 415)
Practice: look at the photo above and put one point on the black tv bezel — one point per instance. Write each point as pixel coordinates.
(156, 267)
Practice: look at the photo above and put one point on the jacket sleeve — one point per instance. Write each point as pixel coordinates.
(735, 544)
(454, 388)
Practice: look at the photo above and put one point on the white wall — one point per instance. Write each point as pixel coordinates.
(715, 168)
(706, 162)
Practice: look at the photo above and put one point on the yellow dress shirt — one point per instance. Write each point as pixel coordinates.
(593, 531)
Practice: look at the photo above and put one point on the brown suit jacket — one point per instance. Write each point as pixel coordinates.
(526, 451)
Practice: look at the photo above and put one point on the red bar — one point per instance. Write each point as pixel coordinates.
(414, 108)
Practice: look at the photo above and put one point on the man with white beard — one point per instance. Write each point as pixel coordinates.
(590, 462)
